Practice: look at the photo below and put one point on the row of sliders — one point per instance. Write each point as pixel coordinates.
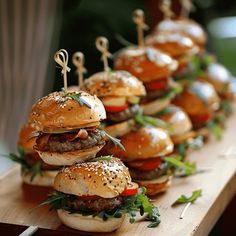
(161, 99)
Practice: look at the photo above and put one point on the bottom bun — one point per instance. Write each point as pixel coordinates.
(155, 186)
(153, 107)
(89, 223)
(46, 178)
(177, 139)
(69, 158)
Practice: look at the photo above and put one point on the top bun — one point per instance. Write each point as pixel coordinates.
(146, 63)
(178, 120)
(26, 139)
(172, 43)
(144, 143)
(114, 83)
(58, 112)
(187, 27)
(104, 178)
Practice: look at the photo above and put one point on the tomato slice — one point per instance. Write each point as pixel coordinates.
(157, 85)
(114, 109)
(150, 164)
(131, 190)
(200, 119)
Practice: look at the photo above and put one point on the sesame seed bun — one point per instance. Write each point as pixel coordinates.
(144, 143)
(45, 178)
(56, 112)
(114, 83)
(69, 158)
(184, 26)
(174, 44)
(102, 178)
(89, 223)
(146, 63)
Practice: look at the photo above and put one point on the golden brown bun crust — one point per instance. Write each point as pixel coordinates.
(155, 188)
(144, 143)
(174, 44)
(55, 112)
(178, 120)
(199, 98)
(103, 178)
(89, 223)
(147, 64)
(185, 26)
(114, 83)
(26, 141)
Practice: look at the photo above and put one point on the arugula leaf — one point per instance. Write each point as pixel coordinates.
(132, 204)
(177, 89)
(194, 144)
(226, 107)
(184, 199)
(101, 158)
(77, 97)
(20, 159)
(115, 141)
(143, 120)
(216, 129)
(184, 168)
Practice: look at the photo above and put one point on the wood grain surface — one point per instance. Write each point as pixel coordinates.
(218, 184)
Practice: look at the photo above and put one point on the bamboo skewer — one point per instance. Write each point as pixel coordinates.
(138, 18)
(61, 58)
(102, 45)
(165, 7)
(78, 61)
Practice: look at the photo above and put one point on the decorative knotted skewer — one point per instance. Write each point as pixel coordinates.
(138, 18)
(78, 61)
(186, 7)
(61, 58)
(102, 45)
(165, 7)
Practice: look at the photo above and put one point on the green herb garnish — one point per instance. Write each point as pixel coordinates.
(194, 144)
(115, 141)
(143, 120)
(184, 199)
(20, 159)
(101, 158)
(77, 97)
(216, 129)
(131, 206)
(226, 107)
(182, 168)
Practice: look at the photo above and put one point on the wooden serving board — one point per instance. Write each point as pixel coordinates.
(18, 201)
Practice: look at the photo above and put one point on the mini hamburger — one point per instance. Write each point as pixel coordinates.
(200, 101)
(154, 69)
(69, 127)
(176, 45)
(94, 196)
(182, 135)
(120, 93)
(220, 77)
(33, 170)
(145, 152)
(186, 27)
